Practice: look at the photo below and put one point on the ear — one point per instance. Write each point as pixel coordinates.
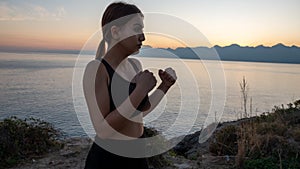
(115, 32)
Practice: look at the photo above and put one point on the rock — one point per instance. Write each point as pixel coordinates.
(182, 166)
(69, 152)
(189, 146)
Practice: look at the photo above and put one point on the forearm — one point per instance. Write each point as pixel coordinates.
(122, 115)
(156, 97)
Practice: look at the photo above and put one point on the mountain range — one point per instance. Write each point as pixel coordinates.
(276, 54)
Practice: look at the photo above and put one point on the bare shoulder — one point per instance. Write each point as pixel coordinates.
(95, 70)
(93, 64)
(137, 63)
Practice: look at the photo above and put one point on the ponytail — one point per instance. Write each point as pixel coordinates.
(101, 49)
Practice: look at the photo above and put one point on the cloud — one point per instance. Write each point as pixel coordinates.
(27, 12)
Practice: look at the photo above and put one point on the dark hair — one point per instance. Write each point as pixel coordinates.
(114, 11)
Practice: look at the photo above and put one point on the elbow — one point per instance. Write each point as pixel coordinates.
(103, 134)
(104, 131)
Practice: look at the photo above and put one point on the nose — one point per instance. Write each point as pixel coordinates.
(142, 37)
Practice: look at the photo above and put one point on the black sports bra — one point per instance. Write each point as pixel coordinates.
(120, 88)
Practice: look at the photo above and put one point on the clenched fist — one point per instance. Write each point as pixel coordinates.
(168, 77)
(145, 80)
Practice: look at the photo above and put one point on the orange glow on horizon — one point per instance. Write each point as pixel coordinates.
(38, 42)
(159, 41)
(78, 42)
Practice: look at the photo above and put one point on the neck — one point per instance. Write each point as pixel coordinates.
(115, 55)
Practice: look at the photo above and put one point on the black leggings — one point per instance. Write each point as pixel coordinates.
(99, 158)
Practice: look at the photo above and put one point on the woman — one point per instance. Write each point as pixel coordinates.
(116, 87)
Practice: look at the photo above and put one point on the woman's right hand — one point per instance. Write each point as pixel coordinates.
(145, 81)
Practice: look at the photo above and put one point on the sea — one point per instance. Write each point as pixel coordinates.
(48, 86)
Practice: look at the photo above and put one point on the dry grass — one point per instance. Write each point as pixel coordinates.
(272, 138)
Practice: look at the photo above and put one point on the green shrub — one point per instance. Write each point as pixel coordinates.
(297, 104)
(275, 128)
(272, 163)
(296, 134)
(23, 139)
(158, 161)
(268, 117)
(292, 163)
(224, 141)
(261, 163)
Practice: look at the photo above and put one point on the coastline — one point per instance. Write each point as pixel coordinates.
(188, 154)
(75, 149)
(271, 139)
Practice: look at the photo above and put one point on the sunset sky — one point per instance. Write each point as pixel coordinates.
(68, 24)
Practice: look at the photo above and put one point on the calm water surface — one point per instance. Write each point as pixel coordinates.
(40, 85)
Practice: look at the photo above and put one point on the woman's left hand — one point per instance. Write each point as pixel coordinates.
(168, 77)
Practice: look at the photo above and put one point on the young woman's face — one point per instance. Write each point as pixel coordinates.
(132, 35)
